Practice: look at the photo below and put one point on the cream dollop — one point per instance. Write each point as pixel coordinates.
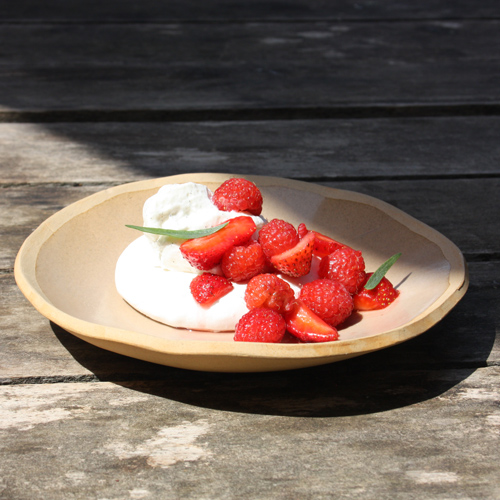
(152, 275)
(185, 206)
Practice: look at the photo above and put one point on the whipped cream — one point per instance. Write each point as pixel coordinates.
(152, 275)
(186, 207)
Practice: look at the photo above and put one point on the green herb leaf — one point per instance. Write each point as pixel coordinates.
(377, 276)
(184, 235)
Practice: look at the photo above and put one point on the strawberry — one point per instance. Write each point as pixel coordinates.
(377, 298)
(206, 252)
(270, 291)
(206, 288)
(296, 261)
(238, 194)
(345, 265)
(329, 299)
(276, 236)
(243, 262)
(323, 245)
(308, 326)
(260, 325)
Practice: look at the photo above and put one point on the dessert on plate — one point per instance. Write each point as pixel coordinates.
(210, 261)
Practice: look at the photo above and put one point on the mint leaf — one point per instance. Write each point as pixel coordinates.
(181, 234)
(377, 276)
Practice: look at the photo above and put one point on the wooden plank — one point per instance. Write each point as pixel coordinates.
(219, 10)
(23, 210)
(232, 66)
(450, 207)
(372, 436)
(39, 349)
(32, 349)
(334, 149)
(464, 210)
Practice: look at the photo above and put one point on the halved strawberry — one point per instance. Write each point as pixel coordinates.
(206, 252)
(296, 261)
(377, 298)
(206, 288)
(323, 245)
(308, 326)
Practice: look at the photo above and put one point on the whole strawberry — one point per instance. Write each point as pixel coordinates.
(260, 325)
(243, 262)
(276, 236)
(238, 194)
(329, 299)
(377, 298)
(345, 265)
(270, 291)
(206, 288)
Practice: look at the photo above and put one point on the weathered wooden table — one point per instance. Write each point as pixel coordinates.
(399, 100)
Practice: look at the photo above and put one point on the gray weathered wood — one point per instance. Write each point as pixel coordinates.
(335, 149)
(117, 91)
(255, 440)
(34, 349)
(449, 206)
(189, 10)
(184, 67)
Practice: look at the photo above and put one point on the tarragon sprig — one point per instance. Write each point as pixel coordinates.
(179, 233)
(377, 276)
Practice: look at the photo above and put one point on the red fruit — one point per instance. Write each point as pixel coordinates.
(378, 298)
(329, 299)
(345, 265)
(206, 252)
(296, 262)
(260, 325)
(323, 245)
(243, 262)
(307, 326)
(238, 194)
(270, 291)
(206, 288)
(277, 236)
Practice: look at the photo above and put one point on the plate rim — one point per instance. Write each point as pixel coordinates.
(106, 336)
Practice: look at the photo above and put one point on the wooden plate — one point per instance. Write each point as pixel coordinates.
(66, 270)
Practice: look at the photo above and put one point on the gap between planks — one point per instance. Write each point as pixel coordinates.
(437, 110)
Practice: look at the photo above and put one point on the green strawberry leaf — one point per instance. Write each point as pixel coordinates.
(181, 234)
(377, 276)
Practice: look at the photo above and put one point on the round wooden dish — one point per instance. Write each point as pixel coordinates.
(66, 270)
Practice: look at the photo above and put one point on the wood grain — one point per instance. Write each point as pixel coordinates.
(398, 100)
(449, 207)
(237, 66)
(41, 351)
(219, 10)
(419, 148)
(235, 438)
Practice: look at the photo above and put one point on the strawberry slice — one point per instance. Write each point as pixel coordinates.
(206, 252)
(377, 298)
(323, 245)
(207, 288)
(296, 261)
(307, 326)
